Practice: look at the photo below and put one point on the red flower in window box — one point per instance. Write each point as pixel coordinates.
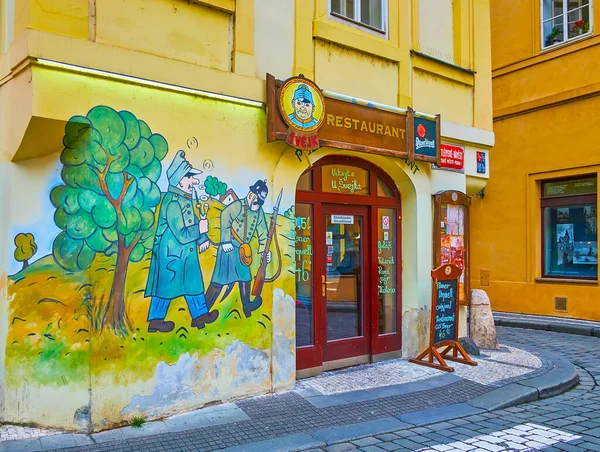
(581, 26)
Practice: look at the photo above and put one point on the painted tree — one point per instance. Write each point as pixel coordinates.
(111, 163)
(290, 213)
(214, 186)
(25, 248)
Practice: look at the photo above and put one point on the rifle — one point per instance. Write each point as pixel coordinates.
(260, 278)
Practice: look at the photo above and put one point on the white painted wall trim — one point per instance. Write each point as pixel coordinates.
(467, 134)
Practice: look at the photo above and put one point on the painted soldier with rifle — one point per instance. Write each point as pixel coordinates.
(240, 222)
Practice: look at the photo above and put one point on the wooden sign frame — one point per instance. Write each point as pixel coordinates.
(410, 138)
(443, 198)
(354, 125)
(445, 272)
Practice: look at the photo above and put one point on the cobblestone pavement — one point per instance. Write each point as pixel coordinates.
(495, 368)
(567, 422)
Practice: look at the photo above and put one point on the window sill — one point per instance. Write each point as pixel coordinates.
(560, 45)
(333, 31)
(359, 25)
(450, 71)
(567, 281)
(227, 6)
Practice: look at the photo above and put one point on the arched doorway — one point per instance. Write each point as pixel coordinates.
(348, 265)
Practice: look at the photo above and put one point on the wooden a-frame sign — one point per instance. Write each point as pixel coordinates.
(444, 322)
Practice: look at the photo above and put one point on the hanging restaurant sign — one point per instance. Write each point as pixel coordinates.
(299, 113)
(424, 138)
(302, 108)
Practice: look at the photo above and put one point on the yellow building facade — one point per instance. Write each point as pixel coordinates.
(534, 243)
(143, 199)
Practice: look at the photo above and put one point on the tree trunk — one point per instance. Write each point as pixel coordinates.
(115, 315)
(25, 264)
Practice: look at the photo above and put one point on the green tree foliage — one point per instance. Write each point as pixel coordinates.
(111, 163)
(215, 187)
(290, 213)
(25, 248)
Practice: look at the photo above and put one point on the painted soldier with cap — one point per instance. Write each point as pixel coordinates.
(175, 265)
(304, 108)
(240, 221)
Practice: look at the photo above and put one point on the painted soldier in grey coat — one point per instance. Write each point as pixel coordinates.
(240, 221)
(175, 265)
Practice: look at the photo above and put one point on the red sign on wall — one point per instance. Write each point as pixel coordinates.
(452, 157)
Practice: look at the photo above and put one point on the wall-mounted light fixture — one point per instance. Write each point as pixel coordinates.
(145, 82)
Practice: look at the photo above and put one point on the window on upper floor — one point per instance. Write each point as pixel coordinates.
(369, 13)
(565, 20)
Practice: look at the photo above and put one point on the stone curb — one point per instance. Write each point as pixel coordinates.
(560, 378)
(582, 330)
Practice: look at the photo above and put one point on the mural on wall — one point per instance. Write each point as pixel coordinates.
(156, 260)
(111, 163)
(25, 248)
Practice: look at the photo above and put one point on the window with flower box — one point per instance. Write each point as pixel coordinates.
(565, 20)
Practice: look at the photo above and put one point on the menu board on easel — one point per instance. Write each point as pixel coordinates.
(444, 322)
(445, 311)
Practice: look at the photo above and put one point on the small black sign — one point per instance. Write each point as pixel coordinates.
(445, 310)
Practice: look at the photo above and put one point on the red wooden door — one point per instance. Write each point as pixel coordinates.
(348, 268)
(345, 295)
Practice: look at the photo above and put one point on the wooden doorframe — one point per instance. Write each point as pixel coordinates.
(312, 356)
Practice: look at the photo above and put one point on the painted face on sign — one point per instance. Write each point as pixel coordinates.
(187, 183)
(303, 108)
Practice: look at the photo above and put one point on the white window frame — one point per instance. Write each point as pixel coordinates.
(355, 21)
(565, 16)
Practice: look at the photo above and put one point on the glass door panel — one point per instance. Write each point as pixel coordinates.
(345, 286)
(343, 276)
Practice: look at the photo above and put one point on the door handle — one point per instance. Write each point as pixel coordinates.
(324, 285)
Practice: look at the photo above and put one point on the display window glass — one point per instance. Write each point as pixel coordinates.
(384, 189)
(451, 236)
(452, 241)
(386, 269)
(305, 182)
(569, 229)
(304, 276)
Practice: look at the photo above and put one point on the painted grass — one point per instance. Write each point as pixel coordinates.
(51, 342)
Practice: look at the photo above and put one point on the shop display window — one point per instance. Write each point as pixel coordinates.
(569, 228)
(304, 276)
(451, 234)
(386, 269)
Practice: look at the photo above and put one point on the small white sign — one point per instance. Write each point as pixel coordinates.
(385, 222)
(386, 236)
(329, 238)
(342, 219)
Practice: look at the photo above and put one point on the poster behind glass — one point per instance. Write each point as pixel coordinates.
(452, 246)
(571, 247)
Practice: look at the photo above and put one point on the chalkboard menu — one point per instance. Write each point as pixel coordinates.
(445, 310)
(444, 322)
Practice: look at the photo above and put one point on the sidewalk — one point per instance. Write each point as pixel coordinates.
(547, 323)
(339, 406)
